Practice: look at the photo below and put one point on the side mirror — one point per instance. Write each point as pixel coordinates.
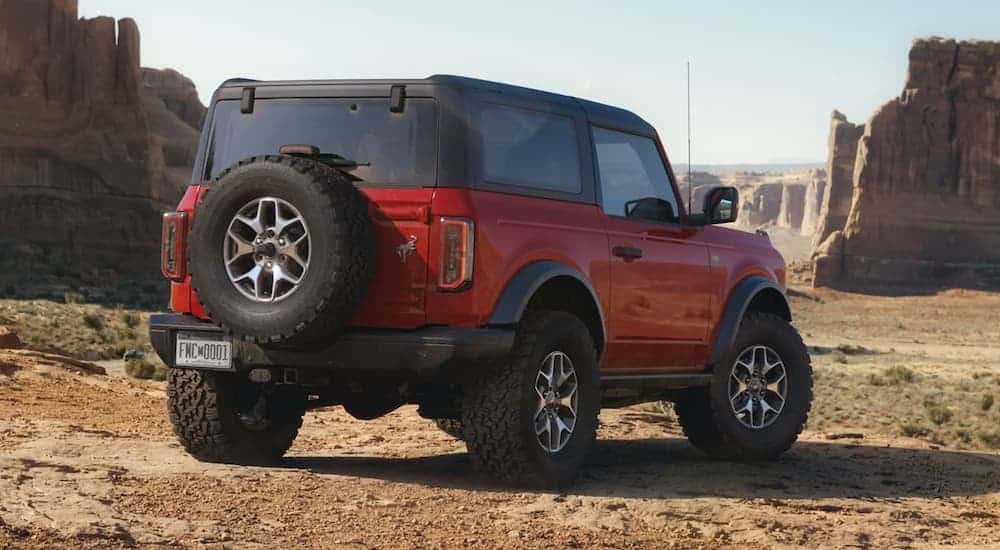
(722, 205)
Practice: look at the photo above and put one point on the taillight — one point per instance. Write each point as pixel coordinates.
(458, 240)
(172, 253)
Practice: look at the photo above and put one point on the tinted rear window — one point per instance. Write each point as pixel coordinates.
(401, 147)
(529, 149)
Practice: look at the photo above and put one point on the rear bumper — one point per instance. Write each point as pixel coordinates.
(421, 351)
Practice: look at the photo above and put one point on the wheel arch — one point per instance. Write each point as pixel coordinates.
(755, 293)
(551, 285)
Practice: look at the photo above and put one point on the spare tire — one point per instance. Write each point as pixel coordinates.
(281, 250)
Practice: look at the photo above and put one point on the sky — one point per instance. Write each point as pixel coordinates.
(764, 75)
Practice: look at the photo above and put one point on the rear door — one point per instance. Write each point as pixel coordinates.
(396, 297)
(660, 274)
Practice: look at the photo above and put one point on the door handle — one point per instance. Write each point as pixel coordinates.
(627, 252)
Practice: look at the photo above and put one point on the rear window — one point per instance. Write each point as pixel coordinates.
(400, 147)
(529, 149)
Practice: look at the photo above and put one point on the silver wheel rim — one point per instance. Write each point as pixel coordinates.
(758, 387)
(555, 417)
(267, 249)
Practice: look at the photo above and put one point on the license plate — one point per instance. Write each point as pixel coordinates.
(203, 351)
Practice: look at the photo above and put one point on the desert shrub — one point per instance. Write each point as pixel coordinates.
(848, 349)
(876, 380)
(938, 413)
(94, 321)
(898, 374)
(987, 402)
(131, 319)
(145, 370)
(990, 439)
(914, 430)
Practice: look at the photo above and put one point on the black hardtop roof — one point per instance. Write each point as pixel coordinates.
(598, 113)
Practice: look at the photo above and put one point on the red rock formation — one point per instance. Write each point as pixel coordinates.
(760, 204)
(926, 187)
(842, 152)
(793, 199)
(815, 192)
(83, 172)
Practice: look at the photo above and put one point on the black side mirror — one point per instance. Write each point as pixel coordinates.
(722, 205)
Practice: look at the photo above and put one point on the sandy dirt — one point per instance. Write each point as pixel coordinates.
(89, 461)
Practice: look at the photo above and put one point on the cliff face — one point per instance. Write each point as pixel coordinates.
(793, 199)
(813, 202)
(760, 204)
(87, 158)
(926, 183)
(842, 152)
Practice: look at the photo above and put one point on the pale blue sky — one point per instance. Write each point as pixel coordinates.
(765, 74)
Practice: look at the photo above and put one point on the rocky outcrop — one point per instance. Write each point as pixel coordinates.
(792, 209)
(760, 204)
(842, 151)
(9, 339)
(815, 193)
(175, 115)
(926, 182)
(87, 159)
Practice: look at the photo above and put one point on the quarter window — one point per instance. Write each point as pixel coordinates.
(529, 149)
(634, 180)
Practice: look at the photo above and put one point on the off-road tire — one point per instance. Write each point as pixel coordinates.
(203, 411)
(706, 415)
(498, 410)
(451, 426)
(341, 251)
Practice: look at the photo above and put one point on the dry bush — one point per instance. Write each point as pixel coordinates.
(145, 370)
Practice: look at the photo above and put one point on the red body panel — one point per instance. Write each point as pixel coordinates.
(661, 311)
(661, 303)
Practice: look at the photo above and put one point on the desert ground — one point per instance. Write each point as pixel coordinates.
(900, 451)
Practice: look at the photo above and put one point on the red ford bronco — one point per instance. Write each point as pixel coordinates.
(509, 260)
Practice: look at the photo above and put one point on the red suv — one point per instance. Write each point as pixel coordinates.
(510, 260)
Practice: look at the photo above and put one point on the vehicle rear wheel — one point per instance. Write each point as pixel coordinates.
(759, 398)
(281, 250)
(533, 419)
(451, 426)
(219, 418)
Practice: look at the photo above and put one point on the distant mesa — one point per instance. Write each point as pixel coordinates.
(783, 199)
(913, 196)
(92, 146)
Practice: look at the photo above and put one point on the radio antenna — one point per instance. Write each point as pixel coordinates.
(690, 181)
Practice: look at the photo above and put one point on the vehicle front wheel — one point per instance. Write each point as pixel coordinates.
(533, 419)
(759, 398)
(219, 418)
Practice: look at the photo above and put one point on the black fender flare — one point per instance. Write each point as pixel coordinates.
(736, 307)
(513, 301)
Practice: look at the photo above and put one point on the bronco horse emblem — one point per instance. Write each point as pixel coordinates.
(404, 250)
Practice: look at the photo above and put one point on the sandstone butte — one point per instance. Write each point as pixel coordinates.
(92, 147)
(925, 184)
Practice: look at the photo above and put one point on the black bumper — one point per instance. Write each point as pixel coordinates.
(422, 350)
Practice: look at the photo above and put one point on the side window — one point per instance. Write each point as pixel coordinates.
(529, 149)
(634, 180)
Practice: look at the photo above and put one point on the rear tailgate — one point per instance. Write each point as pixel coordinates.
(396, 297)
